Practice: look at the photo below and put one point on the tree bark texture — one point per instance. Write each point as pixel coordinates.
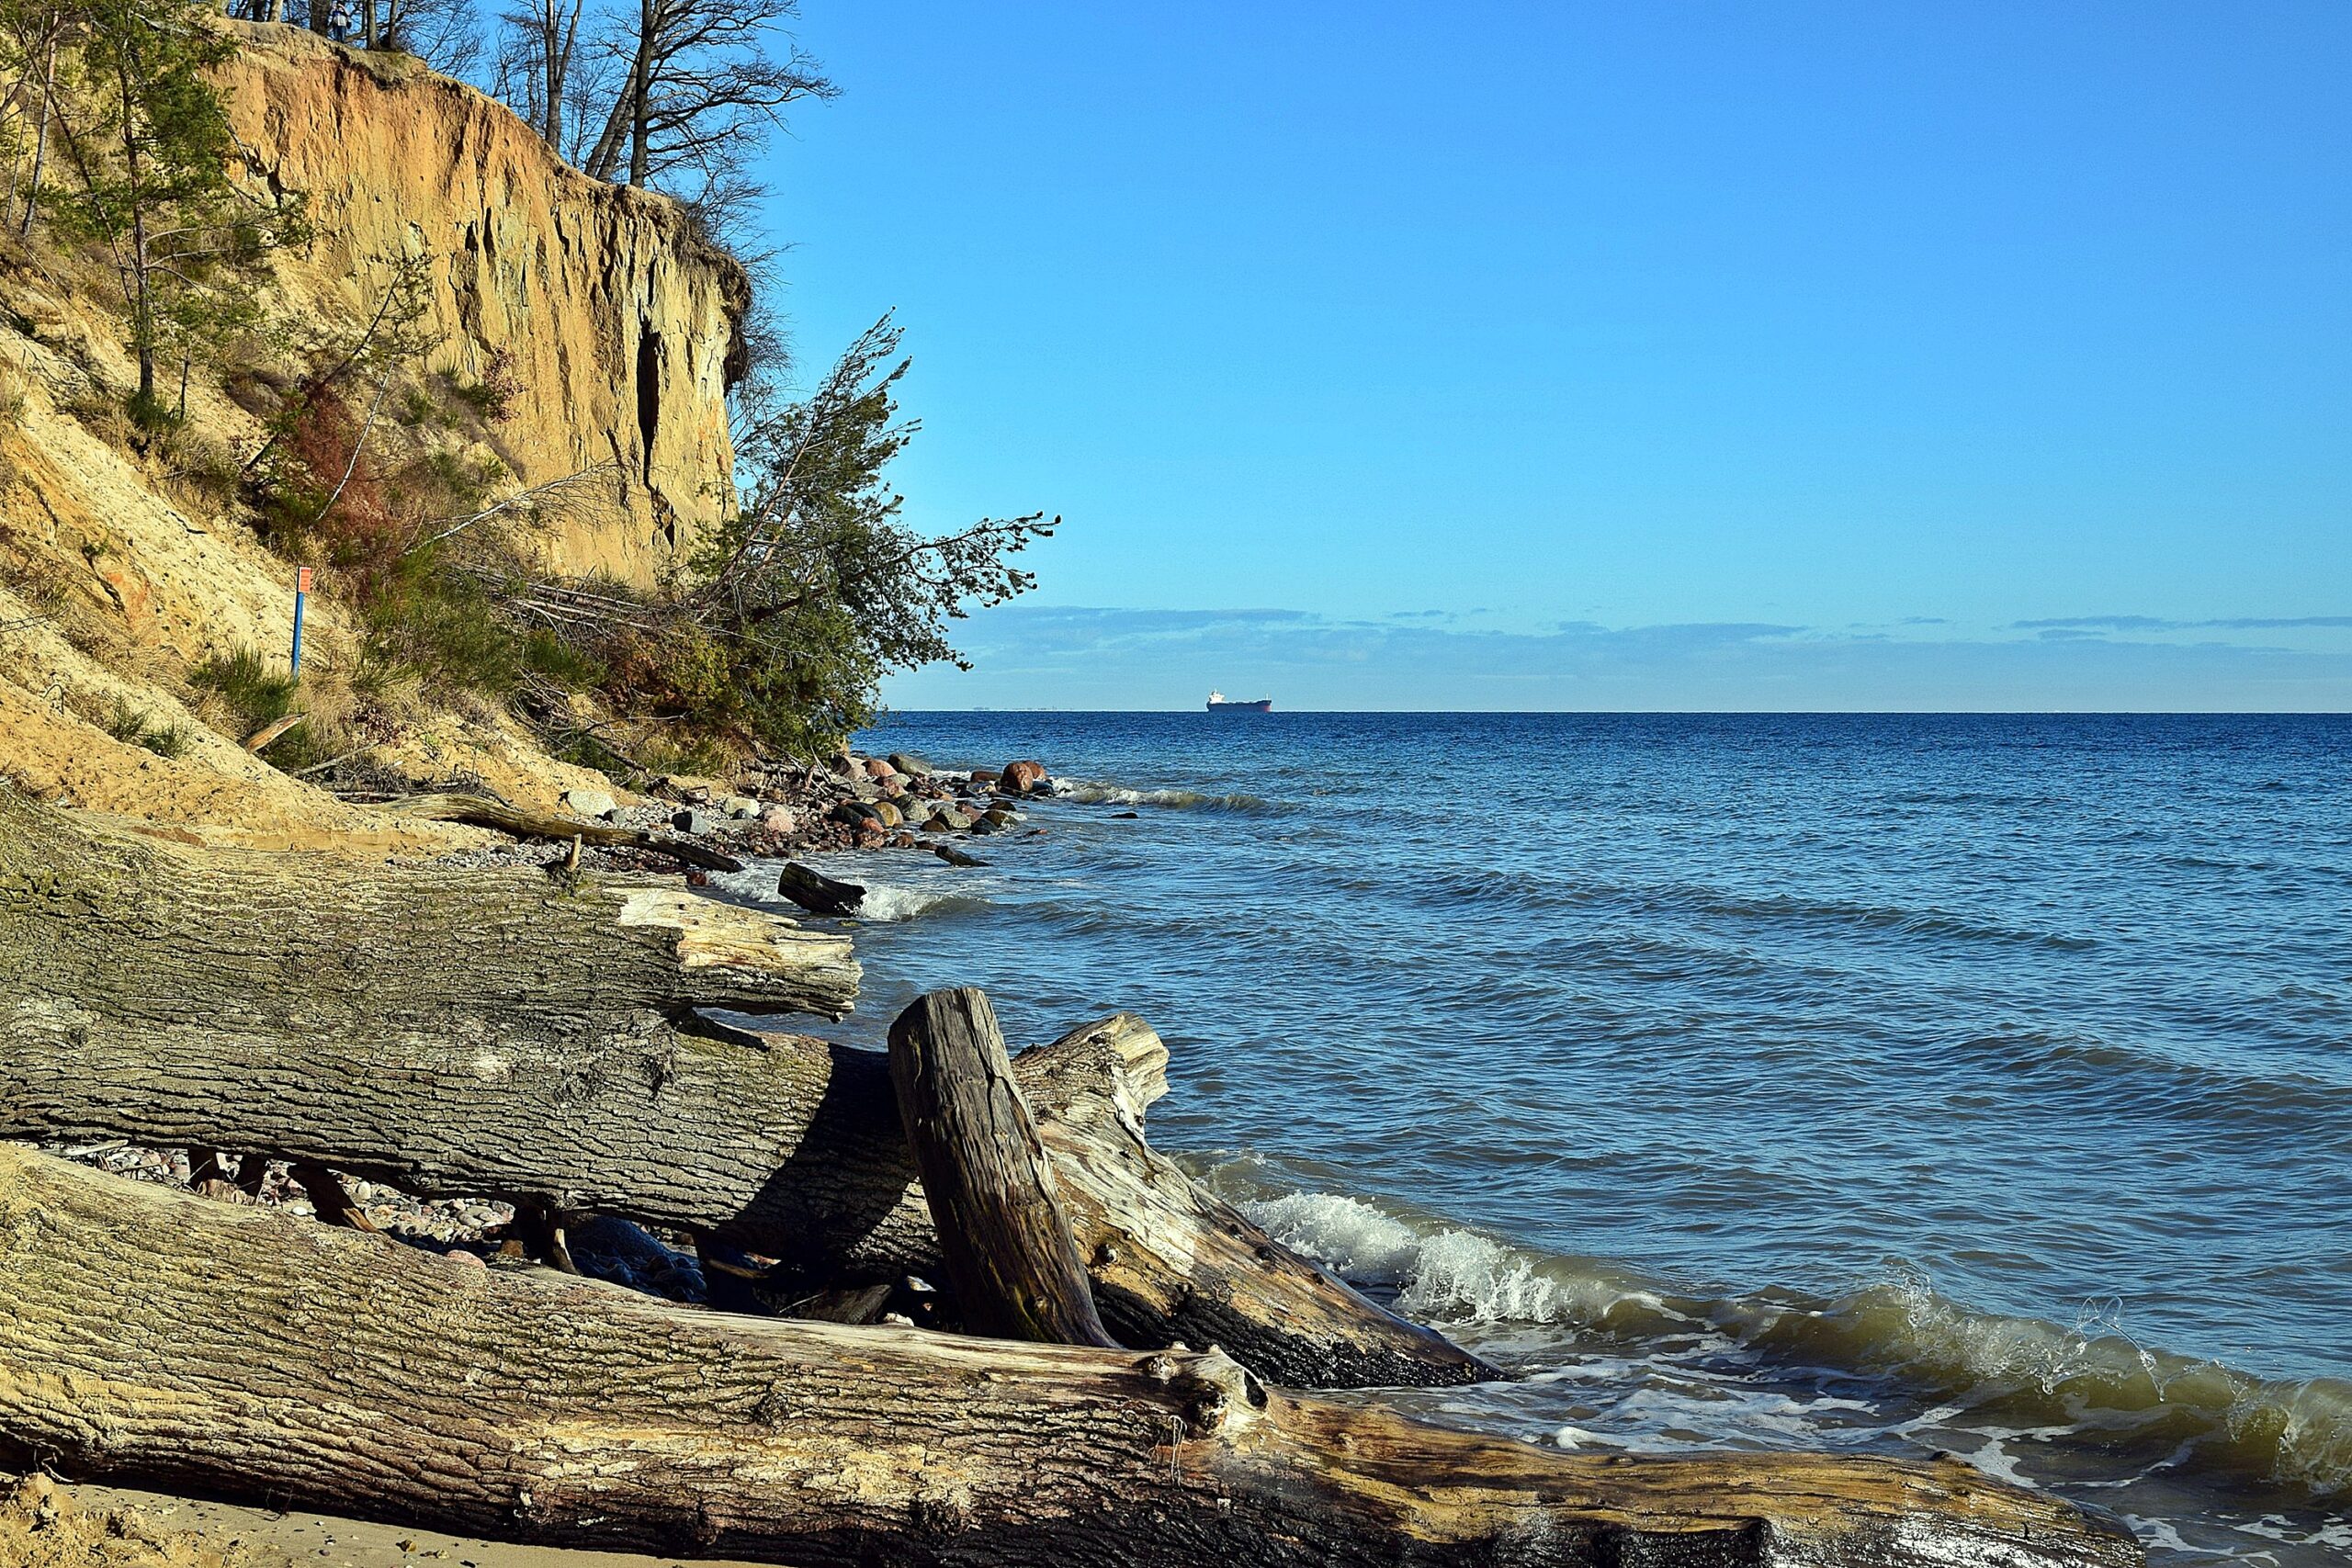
(491, 1033)
(149, 1334)
(1016, 1271)
(334, 955)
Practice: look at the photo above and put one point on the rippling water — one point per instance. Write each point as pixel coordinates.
(1971, 1084)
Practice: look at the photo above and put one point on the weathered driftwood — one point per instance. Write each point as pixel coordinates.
(101, 926)
(1016, 1272)
(149, 1334)
(816, 892)
(499, 1034)
(483, 811)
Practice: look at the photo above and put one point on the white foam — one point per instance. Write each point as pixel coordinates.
(1099, 791)
(1344, 1234)
(886, 903)
(1463, 1275)
(1456, 1275)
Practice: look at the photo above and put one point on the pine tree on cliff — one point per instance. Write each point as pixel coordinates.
(817, 585)
(152, 148)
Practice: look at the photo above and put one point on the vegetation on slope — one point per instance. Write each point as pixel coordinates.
(379, 467)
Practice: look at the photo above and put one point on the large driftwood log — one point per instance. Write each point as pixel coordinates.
(484, 812)
(985, 1177)
(494, 1033)
(151, 1335)
(336, 953)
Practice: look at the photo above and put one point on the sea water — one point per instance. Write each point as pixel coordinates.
(1974, 1085)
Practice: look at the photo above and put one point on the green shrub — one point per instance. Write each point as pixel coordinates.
(243, 680)
(130, 725)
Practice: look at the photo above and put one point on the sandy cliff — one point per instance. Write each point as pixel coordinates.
(117, 575)
(621, 325)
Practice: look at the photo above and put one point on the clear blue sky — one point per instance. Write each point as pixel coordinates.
(1560, 355)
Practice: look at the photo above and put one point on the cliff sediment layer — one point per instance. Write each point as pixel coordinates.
(622, 326)
(620, 330)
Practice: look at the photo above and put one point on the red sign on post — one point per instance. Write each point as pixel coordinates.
(301, 579)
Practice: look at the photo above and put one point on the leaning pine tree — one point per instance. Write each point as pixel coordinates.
(154, 152)
(817, 585)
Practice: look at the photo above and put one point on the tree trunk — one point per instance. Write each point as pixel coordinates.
(484, 812)
(41, 137)
(150, 1336)
(557, 36)
(490, 1033)
(142, 309)
(328, 955)
(605, 158)
(1016, 1272)
(640, 95)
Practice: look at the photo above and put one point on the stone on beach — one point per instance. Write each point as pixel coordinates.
(1021, 778)
(588, 803)
(691, 822)
(911, 765)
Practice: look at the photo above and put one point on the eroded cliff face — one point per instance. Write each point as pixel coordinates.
(119, 577)
(621, 325)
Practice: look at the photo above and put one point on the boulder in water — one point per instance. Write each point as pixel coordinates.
(955, 856)
(1021, 778)
(907, 762)
(817, 893)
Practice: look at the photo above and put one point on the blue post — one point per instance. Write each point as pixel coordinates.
(302, 591)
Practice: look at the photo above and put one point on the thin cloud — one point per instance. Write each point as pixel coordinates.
(2157, 624)
(1106, 657)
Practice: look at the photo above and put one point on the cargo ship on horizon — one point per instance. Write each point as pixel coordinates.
(1218, 703)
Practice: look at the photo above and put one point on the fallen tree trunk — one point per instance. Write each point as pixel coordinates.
(985, 1177)
(483, 811)
(337, 954)
(149, 1334)
(491, 1033)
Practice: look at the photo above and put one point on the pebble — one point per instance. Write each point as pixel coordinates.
(691, 822)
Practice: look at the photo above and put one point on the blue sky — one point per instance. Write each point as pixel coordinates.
(1760, 356)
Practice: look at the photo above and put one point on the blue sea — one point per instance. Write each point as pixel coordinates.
(1968, 1084)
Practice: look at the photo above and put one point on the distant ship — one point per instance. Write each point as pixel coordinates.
(1218, 704)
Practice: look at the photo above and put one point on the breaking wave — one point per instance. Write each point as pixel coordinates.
(1096, 792)
(2087, 1380)
(885, 902)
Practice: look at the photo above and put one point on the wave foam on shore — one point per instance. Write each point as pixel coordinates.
(1099, 791)
(2088, 1379)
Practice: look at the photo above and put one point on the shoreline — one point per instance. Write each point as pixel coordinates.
(831, 835)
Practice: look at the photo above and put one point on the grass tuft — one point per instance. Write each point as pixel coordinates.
(134, 727)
